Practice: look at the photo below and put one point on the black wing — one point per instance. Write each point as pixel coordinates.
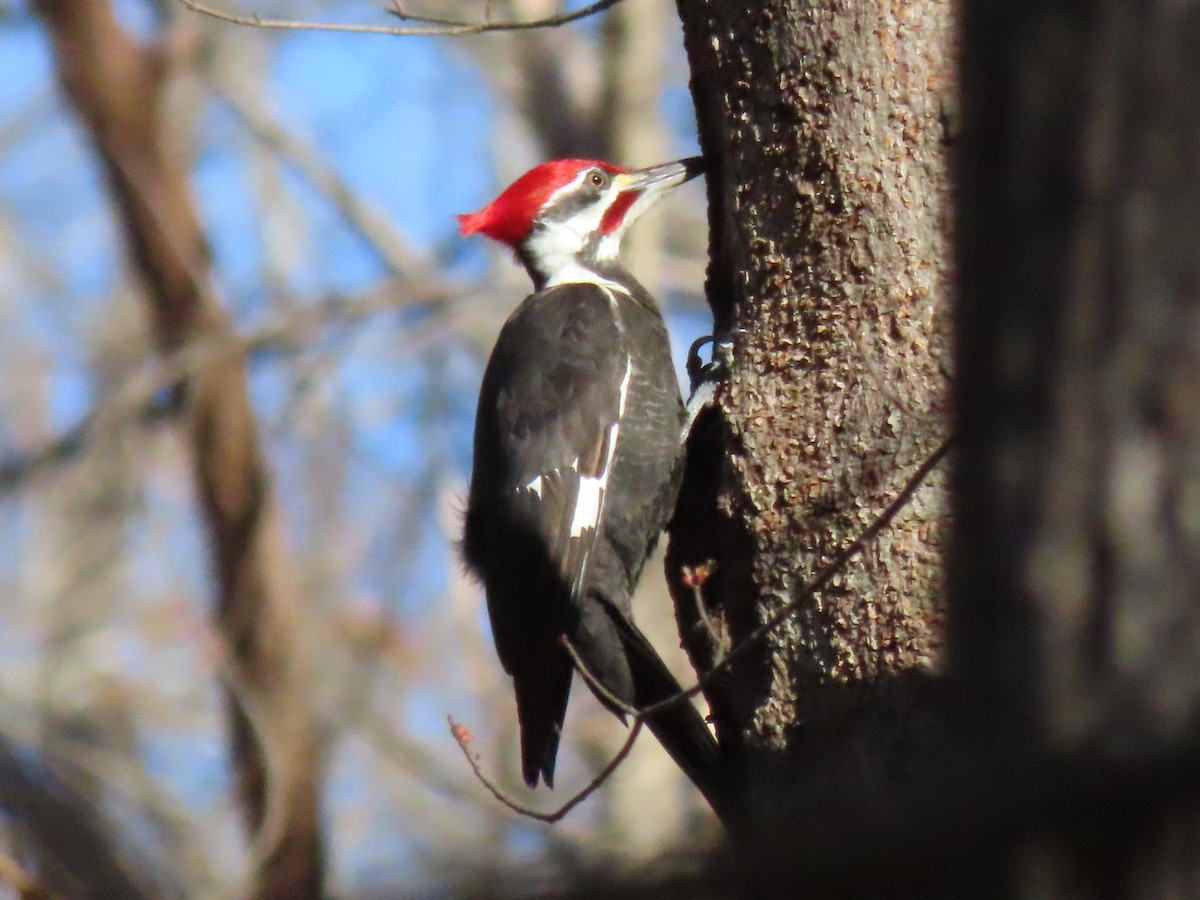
(546, 436)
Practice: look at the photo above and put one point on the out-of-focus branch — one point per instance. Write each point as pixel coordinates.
(371, 226)
(433, 26)
(145, 398)
(117, 87)
(13, 874)
(17, 471)
(70, 841)
(540, 72)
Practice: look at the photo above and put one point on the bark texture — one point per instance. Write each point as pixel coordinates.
(1076, 626)
(118, 88)
(824, 128)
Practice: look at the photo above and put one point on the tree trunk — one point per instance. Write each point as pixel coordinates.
(824, 130)
(1076, 624)
(118, 88)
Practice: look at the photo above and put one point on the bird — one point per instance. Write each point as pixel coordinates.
(577, 459)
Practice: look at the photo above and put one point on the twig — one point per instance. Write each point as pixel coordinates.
(695, 577)
(463, 738)
(437, 27)
(547, 22)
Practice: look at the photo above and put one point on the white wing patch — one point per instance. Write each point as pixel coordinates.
(624, 395)
(589, 497)
(588, 503)
(536, 486)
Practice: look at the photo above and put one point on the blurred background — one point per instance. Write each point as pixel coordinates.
(326, 169)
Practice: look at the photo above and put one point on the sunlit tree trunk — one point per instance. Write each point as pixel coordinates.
(830, 224)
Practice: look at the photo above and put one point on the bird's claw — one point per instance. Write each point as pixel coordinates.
(704, 377)
(695, 366)
(717, 368)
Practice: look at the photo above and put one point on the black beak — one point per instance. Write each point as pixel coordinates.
(663, 177)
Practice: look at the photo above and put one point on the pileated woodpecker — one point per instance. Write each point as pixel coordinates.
(577, 457)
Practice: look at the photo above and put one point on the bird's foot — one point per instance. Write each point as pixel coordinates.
(705, 377)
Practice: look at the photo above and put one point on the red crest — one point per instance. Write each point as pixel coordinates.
(510, 216)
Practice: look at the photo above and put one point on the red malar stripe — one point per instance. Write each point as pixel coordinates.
(615, 214)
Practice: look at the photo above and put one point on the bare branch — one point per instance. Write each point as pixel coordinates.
(117, 86)
(463, 738)
(371, 225)
(548, 22)
(432, 26)
(141, 397)
(695, 577)
(70, 836)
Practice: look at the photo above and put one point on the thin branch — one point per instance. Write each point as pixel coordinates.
(432, 27)
(463, 738)
(437, 776)
(695, 577)
(548, 22)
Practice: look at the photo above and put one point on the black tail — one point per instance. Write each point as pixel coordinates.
(542, 688)
(678, 727)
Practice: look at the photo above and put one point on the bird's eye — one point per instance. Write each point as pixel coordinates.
(598, 178)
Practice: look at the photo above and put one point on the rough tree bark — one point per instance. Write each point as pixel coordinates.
(1076, 625)
(118, 88)
(824, 127)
